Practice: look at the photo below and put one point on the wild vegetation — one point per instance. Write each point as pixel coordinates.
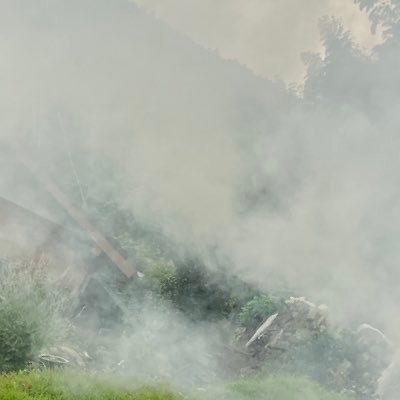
(189, 320)
(56, 385)
(35, 315)
(50, 385)
(178, 299)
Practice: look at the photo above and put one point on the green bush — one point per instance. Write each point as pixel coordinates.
(254, 312)
(16, 339)
(165, 280)
(199, 292)
(32, 314)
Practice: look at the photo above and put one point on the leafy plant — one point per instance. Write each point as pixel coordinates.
(200, 292)
(32, 314)
(254, 312)
(16, 339)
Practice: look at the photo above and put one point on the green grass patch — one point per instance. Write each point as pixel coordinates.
(274, 388)
(66, 385)
(70, 385)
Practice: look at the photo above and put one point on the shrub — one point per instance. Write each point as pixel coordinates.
(165, 280)
(197, 291)
(32, 314)
(257, 310)
(16, 339)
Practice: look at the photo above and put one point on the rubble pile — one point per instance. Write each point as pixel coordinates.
(60, 357)
(298, 340)
(288, 327)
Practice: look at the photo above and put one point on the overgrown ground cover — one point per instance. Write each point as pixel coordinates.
(180, 324)
(62, 385)
(183, 356)
(66, 385)
(274, 388)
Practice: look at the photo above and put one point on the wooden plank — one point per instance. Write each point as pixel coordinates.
(98, 239)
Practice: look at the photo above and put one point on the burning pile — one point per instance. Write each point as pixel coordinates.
(299, 340)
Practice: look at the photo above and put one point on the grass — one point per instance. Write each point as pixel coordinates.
(70, 385)
(274, 388)
(53, 385)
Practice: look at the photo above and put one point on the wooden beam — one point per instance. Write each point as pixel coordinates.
(98, 239)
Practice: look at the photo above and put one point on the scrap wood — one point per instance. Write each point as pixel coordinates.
(100, 241)
(261, 330)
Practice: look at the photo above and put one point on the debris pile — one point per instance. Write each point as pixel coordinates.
(286, 328)
(298, 340)
(60, 357)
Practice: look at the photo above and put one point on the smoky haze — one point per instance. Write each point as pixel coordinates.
(303, 188)
(246, 30)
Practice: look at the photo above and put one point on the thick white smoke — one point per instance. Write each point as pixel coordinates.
(301, 187)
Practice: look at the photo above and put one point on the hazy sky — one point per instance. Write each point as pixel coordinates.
(268, 36)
